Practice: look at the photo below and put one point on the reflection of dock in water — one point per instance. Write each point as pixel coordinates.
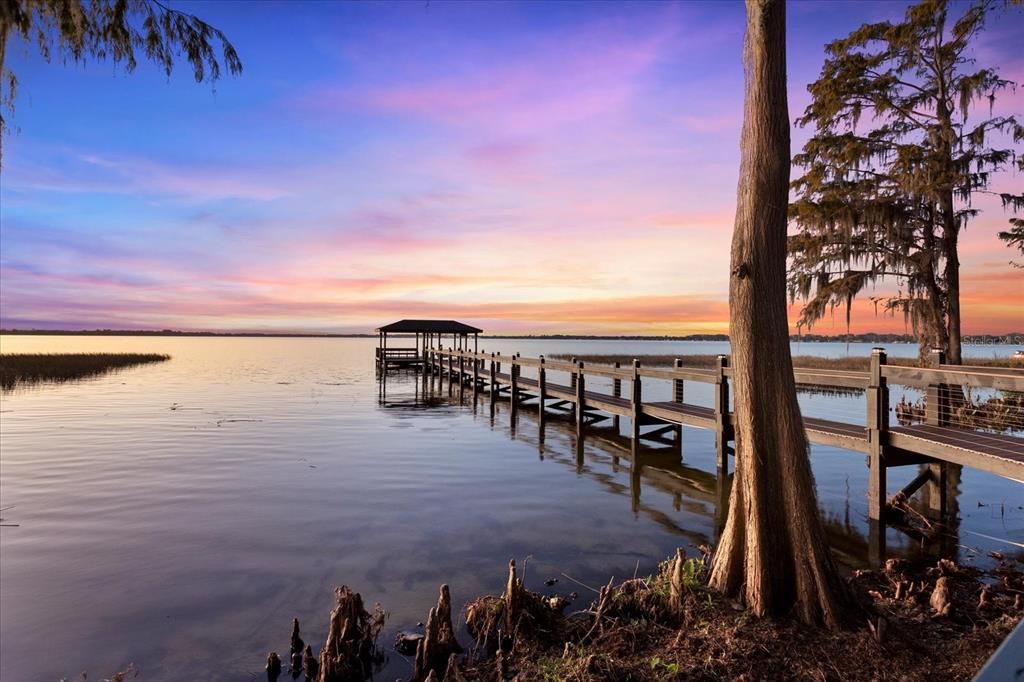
(604, 456)
(602, 453)
(939, 446)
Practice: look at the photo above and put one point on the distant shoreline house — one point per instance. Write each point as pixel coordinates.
(427, 333)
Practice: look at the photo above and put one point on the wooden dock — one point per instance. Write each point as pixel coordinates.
(936, 442)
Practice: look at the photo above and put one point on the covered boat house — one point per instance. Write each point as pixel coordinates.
(426, 333)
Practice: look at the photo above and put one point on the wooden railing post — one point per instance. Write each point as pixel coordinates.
(451, 359)
(878, 427)
(542, 389)
(636, 405)
(476, 373)
(936, 413)
(936, 407)
(581, 401)
(494, 385)
(617, 392)
(677, 384)
(677, 396)
(723, 422)
(462, 369)
(513, 372)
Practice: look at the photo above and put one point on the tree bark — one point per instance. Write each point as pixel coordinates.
(934, 334)
(943, 139)
(954, 353)
(773, 554)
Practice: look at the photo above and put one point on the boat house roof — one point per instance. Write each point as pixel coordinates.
(428, 327)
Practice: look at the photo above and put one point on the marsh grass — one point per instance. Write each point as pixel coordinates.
(17, 369)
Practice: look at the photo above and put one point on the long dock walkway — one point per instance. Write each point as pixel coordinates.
(937, 438)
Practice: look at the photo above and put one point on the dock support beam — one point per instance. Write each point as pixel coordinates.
(878, 436)
(937, 410)
(636, 406)
(542, 388)
(476, 374)
(723, 427)
(572, 387)
(617, 392)
(581, 400)
(513, 373)
(677, 396)
(494, 387)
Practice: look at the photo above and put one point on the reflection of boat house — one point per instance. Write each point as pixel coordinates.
(426, 333)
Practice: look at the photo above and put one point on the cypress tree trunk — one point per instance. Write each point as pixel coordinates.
(934, 334)
(773, 554)
(952, 253)
(943, 140)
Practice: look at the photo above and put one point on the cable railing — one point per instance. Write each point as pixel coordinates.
(974, 409)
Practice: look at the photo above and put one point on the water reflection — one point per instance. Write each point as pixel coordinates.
(188, 510)
(603, 453)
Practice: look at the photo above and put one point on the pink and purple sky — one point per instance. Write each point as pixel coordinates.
(527, 167)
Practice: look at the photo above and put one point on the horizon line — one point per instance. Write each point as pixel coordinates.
(909, 338)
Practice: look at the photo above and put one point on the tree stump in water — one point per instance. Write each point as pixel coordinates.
(297, 647)
(351, 647)
(498, 622)
(273, 666)
(940, 597)
(513, 598)
(435, 649)
(309, 664)
(676, 584)
(493, 619)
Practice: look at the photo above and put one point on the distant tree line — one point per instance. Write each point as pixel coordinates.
(867, 337)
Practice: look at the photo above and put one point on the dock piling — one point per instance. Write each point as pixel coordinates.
(937, 412)
(581, 400)
(677, 396)
(723, 422)
(636, 407)
(542, 390)
(878, 427)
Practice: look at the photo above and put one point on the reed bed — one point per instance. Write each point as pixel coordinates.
(858, 363)
(31, 368)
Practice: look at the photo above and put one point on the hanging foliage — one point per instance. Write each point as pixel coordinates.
(901, 146)
(76, 30)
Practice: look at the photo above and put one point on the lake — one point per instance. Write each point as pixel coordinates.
(179, 515)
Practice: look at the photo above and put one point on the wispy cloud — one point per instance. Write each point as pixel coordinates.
(86, 172)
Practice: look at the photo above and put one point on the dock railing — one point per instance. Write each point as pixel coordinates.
(396, 356)
(965, 416)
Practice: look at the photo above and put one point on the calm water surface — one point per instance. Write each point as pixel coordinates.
(179, 515)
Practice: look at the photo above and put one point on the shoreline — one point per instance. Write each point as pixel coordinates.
(908, 622)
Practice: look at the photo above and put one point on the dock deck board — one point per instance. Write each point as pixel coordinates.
(992, 452)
